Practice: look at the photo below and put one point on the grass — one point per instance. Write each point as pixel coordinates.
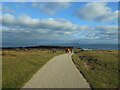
(99, 67)
(18, 66)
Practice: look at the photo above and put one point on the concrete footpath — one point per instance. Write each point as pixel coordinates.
(59, 72)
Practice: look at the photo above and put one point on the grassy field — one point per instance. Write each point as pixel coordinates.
(18, 66)
(99, 67)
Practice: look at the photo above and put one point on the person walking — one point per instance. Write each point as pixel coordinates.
(68, 50)
(71, 50)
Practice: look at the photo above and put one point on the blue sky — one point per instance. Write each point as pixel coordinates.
(58, 22)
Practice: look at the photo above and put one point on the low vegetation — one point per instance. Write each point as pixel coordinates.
(19, 65)
(99, 67)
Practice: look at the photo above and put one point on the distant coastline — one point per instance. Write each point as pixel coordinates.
(36, 47)
(83, 46)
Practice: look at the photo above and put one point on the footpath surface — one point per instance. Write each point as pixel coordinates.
(59, 72)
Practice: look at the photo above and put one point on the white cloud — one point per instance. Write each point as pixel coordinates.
(28, 22)
(25, 27)
(107, 31)
(108, 28)
(51, 7)
(8, 19)
(98, 11)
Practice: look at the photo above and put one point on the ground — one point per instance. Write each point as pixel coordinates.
(99, 67)
(19, 65)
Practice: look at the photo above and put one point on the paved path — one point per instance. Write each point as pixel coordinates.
(59, 72)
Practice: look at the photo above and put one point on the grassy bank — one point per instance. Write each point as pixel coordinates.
(19, 65)
(99, 67)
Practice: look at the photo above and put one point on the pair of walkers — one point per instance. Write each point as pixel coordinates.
(68, 50)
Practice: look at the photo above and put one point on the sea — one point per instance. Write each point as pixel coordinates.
(84, 46)
(97, 46)
(100, 46)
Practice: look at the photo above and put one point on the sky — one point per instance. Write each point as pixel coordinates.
(60, 22)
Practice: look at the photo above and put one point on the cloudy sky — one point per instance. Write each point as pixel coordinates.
(60, 22)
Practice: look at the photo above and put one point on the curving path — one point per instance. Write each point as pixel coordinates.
(59, 72)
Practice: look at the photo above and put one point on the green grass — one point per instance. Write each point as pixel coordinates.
(18, 66)
(99, 67)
